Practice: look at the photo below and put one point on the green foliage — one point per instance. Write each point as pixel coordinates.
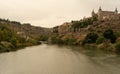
(9, 36)
(117, 34)
(53, 39)
(21, 39)
(77, 24)
(43, 38)
(109, 34)
(14, 41)
(95, 18)
(82, 24)
(90, 38)
(117, 46)
(69, 41)
(56, 40)
(59, 40)
(31, 42)
(5, 33)
(55, 29)
(100, 40)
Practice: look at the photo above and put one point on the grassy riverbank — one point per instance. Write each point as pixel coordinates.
(108, 40)
(11, 41)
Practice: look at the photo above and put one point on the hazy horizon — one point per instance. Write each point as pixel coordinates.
(49, 13)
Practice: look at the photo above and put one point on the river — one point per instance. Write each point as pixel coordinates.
(54, 59)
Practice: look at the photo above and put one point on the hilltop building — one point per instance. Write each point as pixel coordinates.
(106, 15)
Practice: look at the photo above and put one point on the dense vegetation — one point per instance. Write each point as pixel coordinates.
(60, 40)
(90, 38)
(43, 38)
(11, 41)
(108, 34)
(82, 24)
(108, 40)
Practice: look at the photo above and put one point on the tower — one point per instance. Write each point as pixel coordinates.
(100, 9)
(93, 13)
(116, 11)
(100, 15)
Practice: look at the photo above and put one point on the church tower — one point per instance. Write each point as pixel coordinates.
(93, 13)
(100, 9)
(100, 13)
(116, 11)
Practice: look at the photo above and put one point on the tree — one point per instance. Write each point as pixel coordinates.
(90, 38)
(109, 34)
(43, 38)
(100, 40)
(117, 46)
(14, 41)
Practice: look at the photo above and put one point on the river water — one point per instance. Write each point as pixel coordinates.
(53, 59)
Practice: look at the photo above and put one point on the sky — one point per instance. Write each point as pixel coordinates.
(50, 13)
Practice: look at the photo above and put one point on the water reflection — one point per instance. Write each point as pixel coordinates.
(53, 59)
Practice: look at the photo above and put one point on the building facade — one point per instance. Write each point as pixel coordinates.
(106, 15)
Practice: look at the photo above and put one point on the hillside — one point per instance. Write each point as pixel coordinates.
(101, 30)
(14, 35)
(25, 29)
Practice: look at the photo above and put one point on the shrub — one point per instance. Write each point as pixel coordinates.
(82, 24)
(53, 39)
(109, 34)
(117, 46)
(100, 40)
(69, 41)
(14, 42)
(43, 38)
(90, 38)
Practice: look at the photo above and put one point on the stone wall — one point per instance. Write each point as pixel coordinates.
(107, 15)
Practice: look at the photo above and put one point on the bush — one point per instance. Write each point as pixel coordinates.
(43, 38)
(109, 34)
(90, 38)
(82, 24)
(117, 34)
(69, 41)
(117, 46)
(14, 42)
(100, 40)
(53, 39)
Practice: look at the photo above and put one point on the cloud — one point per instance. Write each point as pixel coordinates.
(50, 13)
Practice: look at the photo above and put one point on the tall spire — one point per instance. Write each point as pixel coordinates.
(100, 8)
(116, 11)
(93, 13)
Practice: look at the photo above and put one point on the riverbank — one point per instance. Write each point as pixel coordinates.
(10, 40)
(11, 48)
(108, 40)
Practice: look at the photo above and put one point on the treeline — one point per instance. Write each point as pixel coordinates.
(65, 41)
(108, 40)
(11, 41)
(83, 23)
(7, 20)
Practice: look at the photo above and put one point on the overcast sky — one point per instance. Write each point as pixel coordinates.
(49, 13)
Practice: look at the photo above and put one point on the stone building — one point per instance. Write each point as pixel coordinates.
(106, 15)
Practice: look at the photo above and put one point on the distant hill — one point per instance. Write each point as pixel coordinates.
(90, 29)
(25, 29)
